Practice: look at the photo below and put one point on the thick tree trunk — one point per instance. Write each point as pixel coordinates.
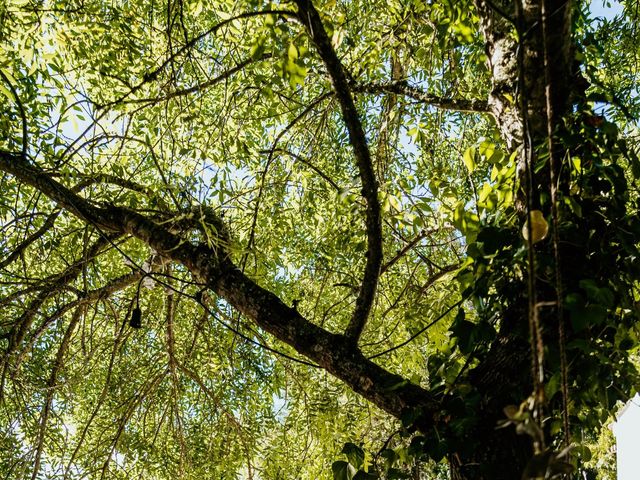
(517, 65)
(501, 379)
(527, 83)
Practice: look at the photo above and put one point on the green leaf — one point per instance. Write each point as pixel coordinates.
(583, 317)
(342, 470)
(574, 206)
(390, 456)
(258, 48)
(496, 157)
(354, 454)
(7, 93)
(464, 332)
(396, 474)
(292, 52)
(492, 239)
(577, 164)
(469, 159)
(595, 294)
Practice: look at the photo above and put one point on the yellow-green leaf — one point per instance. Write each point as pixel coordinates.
(469, 159)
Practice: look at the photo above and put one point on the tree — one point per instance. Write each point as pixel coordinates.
(208, 206)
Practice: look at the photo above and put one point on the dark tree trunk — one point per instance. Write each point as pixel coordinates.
(530, 89)
(503, 378)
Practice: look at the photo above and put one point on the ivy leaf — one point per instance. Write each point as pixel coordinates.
(584, 316)
(354, 454)
(390, 456)
(395, 474)
(342, 470)
(464, 331)
(492, 239)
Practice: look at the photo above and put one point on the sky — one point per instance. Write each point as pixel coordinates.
(605, 8)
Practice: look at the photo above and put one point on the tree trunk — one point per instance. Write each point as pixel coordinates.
(531, 89)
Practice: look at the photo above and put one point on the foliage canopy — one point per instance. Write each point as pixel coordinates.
(211, 210)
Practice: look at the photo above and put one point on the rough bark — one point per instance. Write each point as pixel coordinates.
(518, 102)
(515, 58)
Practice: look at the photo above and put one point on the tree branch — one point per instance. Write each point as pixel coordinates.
(154, 74)
(201, 86)
(444, 103)
(333, 352)
(306, 162)
(311, 20)
(22, 325)
(51, 388)
(50, 220)
(115, 285)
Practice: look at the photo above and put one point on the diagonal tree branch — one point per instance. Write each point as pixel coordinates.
(333, 352)
(22, 325)
(17, 251)
(154, 74)
(201, 86)
(311, 20)
(306, 162)
(51, 219)
(106, 291)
